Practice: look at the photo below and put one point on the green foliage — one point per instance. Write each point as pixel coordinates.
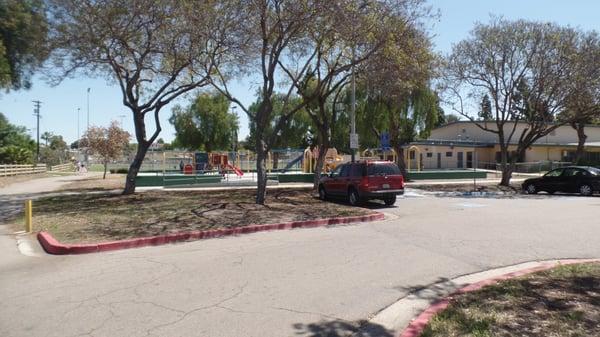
(55, 150)
(294, 134)
(23, 32)
(406, 120)
(485, 112)
(206, 124)
(16, 147)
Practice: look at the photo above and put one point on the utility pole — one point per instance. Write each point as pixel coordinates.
(36, 113)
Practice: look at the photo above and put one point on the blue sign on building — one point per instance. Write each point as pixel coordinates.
(384, 140)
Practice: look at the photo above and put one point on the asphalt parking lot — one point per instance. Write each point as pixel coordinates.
(306, 282)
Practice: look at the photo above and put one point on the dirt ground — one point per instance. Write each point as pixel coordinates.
(5, 181)
(562, 302)
(97, 217)
(96, 183)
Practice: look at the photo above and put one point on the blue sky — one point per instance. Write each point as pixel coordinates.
(60, 103)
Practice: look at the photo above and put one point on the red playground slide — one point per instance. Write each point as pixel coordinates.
(235, 169)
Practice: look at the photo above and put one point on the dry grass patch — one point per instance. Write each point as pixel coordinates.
(561, 302)
(90, 218)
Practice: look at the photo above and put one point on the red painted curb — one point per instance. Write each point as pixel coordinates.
(416, 327)
(52, 246)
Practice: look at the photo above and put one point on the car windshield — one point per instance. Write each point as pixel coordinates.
(594, 171)
(554, 173)
(382, 169)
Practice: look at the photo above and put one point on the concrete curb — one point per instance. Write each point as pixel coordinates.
(52, 246)
(416, 327)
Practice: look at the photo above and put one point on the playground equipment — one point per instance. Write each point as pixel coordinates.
(332, 159)
(380, 154)
(418, 157)
(292, 163)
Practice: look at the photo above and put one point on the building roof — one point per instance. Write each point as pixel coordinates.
(508, 122)
(442, 142)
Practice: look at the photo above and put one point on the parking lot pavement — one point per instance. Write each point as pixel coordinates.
(307, 282)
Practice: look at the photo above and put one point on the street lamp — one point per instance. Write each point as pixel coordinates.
(88, 108)
(78, 133)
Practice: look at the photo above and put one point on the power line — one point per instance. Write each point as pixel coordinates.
(36, 113)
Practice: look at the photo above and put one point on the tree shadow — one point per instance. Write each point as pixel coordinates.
(341, 328)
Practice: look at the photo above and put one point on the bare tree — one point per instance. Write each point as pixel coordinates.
(109, 143)
(524, 67)
(583, 102)
(156, 50)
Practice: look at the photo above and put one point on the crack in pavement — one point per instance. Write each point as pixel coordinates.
(311, 313)
(188, 313)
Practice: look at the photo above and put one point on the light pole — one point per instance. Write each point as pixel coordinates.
(121, 119)
(36, 113)
(78, 132)
(88, 108)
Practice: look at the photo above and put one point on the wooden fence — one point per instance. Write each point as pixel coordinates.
(14, 170)
(68, 167)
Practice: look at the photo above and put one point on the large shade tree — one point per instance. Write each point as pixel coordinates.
(397, 97)
(23, 48)
(524, 67)
(16, 146)
(155, 50)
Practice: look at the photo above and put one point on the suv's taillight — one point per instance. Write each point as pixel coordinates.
(401, 181)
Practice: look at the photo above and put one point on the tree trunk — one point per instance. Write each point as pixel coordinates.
(505, 166)
(581, 137)
(105, 167)
(261, 172)
(134, 168)
(400, 161)
(275, 159)
(320, 163)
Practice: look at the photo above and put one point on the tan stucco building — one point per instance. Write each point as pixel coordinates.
(454, 145)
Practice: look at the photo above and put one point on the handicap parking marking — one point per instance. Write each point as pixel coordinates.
(413, 193)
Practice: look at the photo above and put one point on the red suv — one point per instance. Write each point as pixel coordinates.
(363, 180)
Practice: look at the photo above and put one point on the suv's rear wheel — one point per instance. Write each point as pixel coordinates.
(322, 193)
(353, 197)
(390, 200)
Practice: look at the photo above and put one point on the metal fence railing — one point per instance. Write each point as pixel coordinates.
(536, 167)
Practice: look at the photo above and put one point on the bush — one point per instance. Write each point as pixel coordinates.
(119, 171)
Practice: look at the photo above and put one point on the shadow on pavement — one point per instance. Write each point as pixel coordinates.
(340, 328)
(431, 292)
